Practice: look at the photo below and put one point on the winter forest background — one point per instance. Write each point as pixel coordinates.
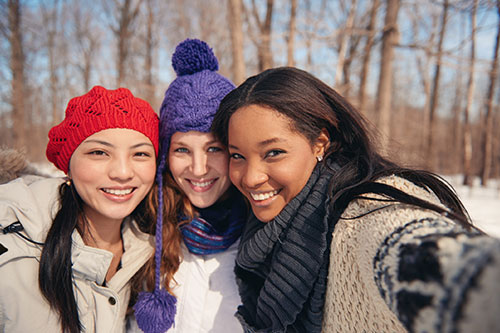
(424, 72)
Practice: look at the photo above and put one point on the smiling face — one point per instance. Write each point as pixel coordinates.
(199, 165)
(270, 162)
(112, 171)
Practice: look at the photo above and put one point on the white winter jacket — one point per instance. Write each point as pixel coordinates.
(22, 306)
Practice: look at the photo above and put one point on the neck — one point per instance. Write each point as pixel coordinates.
(104, 235)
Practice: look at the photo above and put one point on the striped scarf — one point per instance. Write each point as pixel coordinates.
(217, 227)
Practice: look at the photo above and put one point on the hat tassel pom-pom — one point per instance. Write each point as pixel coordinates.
(155, 312)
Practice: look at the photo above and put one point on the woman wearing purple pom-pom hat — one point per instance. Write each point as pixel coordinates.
(200, 213)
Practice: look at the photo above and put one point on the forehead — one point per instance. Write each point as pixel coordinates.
(260, 123)
(192, 137)
(258, 114)
(117, 135)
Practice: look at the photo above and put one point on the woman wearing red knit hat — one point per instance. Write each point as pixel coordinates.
(71, 247)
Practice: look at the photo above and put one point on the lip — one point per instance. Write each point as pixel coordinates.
(118, 198)
(207, 184)
(265, 202)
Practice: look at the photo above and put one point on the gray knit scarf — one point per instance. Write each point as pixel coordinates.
(282, 265)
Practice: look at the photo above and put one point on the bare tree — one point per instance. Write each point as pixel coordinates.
(384, 92)
(431, 144)
(150, 45)
(87, 41)
(236, 30)
(292, 28)
(467, 132)
(264, 41)
(50, 20)
(343, 40)
(488, 117)
(127, 13)
(365, 67)
(17, 64)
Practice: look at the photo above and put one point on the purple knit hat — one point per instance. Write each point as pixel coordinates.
(190, 104)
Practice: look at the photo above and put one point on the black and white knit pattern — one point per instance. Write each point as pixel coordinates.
(429, 270)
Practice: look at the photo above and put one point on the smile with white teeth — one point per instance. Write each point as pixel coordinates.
(263, 196)
(118, 192)
(202, 184)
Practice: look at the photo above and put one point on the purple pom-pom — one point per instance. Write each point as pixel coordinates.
(192, 56)
(155, 312)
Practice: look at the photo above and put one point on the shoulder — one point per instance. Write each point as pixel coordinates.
(34, 206)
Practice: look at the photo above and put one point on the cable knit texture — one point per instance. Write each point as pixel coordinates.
(402, 268)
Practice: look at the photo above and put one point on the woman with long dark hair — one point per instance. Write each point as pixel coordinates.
(70, 248)
(341, 239)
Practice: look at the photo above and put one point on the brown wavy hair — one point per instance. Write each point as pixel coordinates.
(175, 203)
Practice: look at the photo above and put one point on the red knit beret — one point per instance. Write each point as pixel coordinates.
(97, 110)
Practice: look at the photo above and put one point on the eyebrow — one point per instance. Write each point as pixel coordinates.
(263, 143)
(107, 144)
(181, 143)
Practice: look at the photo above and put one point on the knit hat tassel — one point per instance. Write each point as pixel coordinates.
(155, 312)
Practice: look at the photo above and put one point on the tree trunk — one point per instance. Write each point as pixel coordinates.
(431, 144)
(50, 18)
(123, 32)
(236, 30)
(17, 67)
(365, 67)
(345, 35)
(488, 119)
(291, 33)
(264, 54)
(87, 40)
(148, 61)
(384, 92)
(467, 136)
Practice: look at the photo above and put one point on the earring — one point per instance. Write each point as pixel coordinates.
(319, 158)
(68, 182)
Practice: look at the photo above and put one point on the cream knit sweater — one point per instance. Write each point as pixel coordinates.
(403, 268)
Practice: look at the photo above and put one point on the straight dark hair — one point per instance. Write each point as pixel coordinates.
(312, 106)
(55, 277)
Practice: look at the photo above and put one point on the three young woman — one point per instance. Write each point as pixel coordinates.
(70, 247)
(341, 239)
(196, 203)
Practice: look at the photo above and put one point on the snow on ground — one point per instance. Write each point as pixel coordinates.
(482, 203)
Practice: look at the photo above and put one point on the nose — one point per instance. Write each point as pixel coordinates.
(199, 165)
(254, 175)
(121, 168)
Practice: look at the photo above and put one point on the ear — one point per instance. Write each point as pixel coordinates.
(322, 143)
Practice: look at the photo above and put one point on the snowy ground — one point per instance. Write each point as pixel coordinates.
(483, 204)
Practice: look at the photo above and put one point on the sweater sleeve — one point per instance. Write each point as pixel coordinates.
(417, 267)
(412, 269)
(439, 278)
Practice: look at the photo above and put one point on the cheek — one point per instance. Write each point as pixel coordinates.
(83, 171)
(235, 174)
(148, 172)
(176, 166)
(220, 164)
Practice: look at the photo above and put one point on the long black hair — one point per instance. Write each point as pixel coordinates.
(55, 277)
(313, 106)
